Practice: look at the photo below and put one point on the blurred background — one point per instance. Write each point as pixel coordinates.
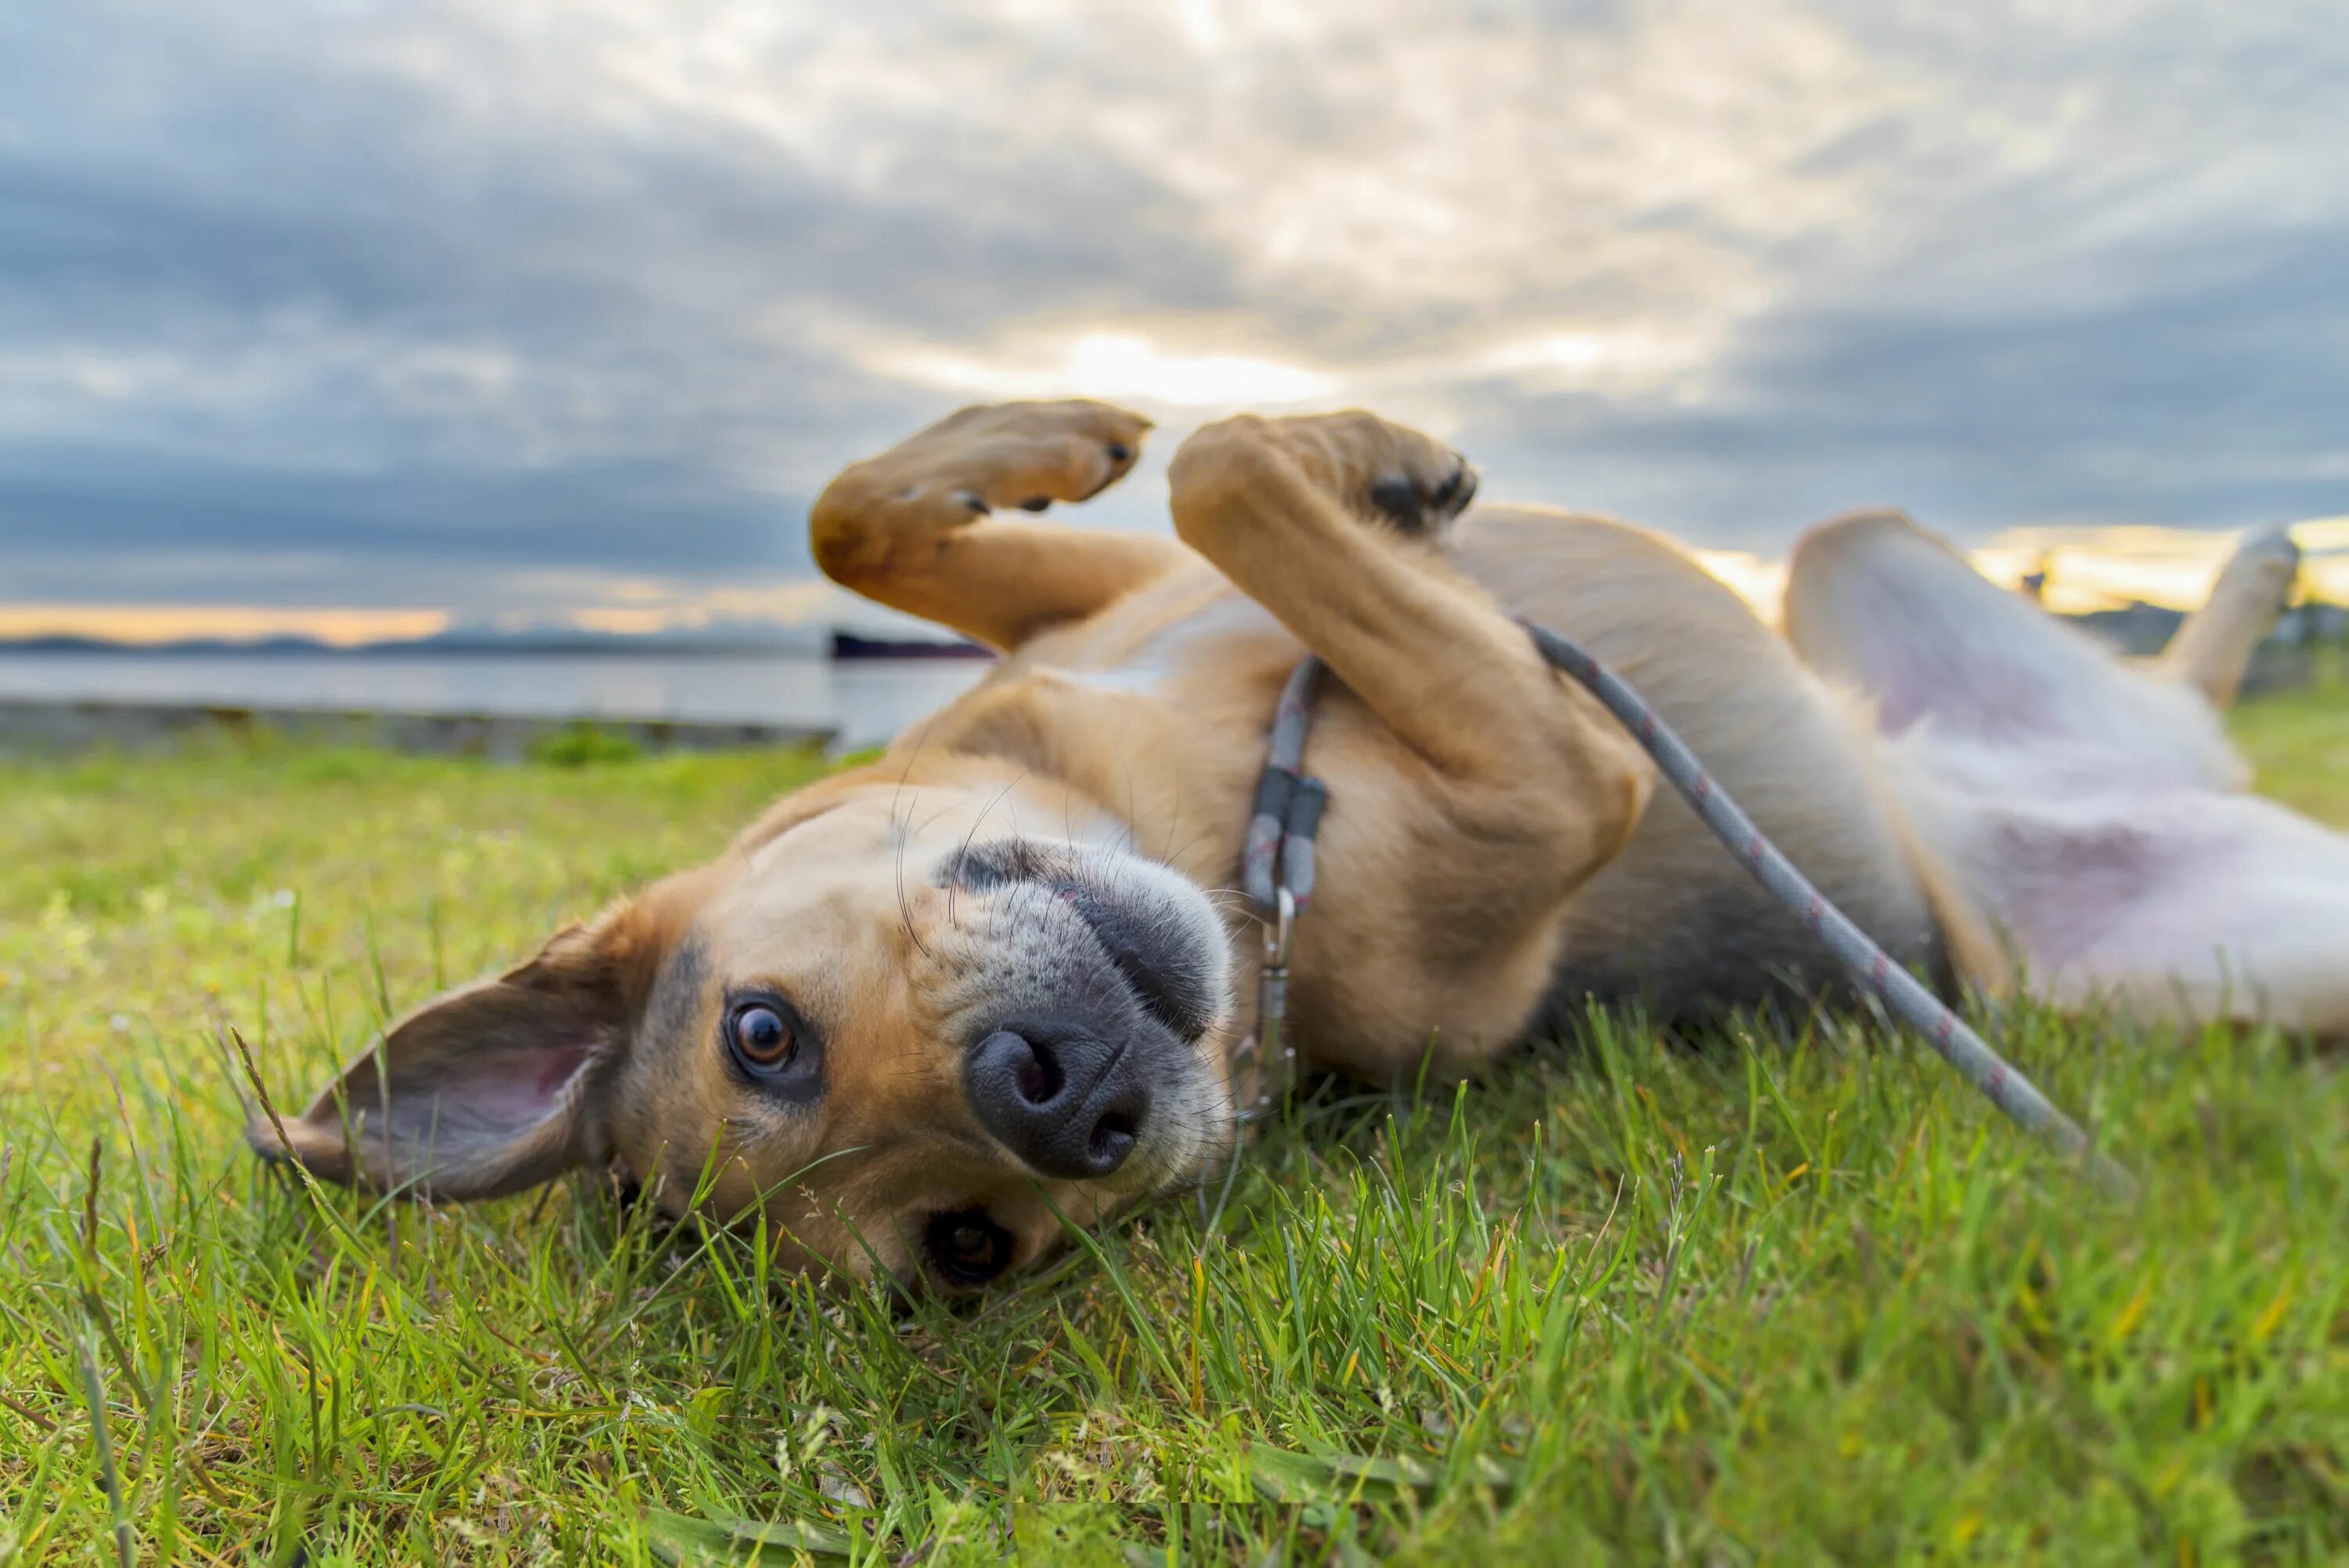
(510, 339)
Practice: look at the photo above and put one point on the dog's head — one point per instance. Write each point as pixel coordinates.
(907, 1023)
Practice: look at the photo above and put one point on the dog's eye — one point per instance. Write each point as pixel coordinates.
(968, 1247)
(774, 1052)
(760, 1035)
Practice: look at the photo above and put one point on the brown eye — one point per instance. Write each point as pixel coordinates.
(968, 1247)
(762, 1035)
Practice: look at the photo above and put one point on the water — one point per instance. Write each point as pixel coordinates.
(865, 701)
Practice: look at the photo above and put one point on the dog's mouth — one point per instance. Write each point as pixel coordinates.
(1100, 980)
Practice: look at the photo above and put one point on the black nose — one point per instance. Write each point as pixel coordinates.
(1062, 1097)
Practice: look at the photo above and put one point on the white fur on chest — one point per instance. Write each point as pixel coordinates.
(1150, 667)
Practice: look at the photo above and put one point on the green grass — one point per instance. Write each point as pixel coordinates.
(1787, 1298)
(2300, 741)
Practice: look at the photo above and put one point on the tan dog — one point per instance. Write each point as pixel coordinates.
(923, 1004)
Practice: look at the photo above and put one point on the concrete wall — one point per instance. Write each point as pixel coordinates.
(45, 726)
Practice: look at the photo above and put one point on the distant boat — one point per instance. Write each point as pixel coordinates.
(849, 646)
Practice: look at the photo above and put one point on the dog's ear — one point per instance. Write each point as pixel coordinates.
(489, 1090)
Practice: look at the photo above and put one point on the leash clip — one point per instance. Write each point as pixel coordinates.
(1280, 929)
(1275, 1058)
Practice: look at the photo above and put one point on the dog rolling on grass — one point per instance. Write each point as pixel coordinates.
(926, 1010)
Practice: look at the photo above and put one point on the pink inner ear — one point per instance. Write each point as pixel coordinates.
(562, 1063)
(510, 1089)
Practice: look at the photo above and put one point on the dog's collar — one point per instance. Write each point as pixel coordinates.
(1276, 876)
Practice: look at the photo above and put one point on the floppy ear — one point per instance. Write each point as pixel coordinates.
(489, 1090)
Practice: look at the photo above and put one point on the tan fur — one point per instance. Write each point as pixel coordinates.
(1494, 850)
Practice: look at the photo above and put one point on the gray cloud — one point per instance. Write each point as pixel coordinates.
(466, 304)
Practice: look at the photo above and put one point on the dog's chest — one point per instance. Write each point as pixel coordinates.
(1166, 642)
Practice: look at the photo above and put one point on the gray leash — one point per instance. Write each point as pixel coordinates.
(1277, 871)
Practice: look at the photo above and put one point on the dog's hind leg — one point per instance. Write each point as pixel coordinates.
(2089, 811)
(915, 527)
(2213, 649)
(1880, 606)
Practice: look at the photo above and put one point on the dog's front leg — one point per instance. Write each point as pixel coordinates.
(1510, 787)
(916, 528)
(1323, 520)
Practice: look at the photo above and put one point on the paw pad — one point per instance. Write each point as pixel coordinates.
(1403, 502)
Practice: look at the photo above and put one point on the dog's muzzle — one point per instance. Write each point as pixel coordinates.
(1114, 973)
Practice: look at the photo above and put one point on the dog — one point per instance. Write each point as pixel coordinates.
(926, 1012)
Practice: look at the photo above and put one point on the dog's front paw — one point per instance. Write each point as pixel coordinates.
(1374, 468)
(1027, 455)
(1419, 503)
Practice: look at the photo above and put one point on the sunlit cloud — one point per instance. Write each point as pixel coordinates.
(2091, 569)
(1125, 367)
(1760, 583)
(137, 624)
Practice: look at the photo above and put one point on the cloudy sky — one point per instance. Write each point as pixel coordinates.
(535, 308)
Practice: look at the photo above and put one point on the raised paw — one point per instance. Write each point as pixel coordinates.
(1024, 455)
(1374, 468)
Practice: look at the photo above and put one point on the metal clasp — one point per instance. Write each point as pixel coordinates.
(1276, 1057)
(1280, 929)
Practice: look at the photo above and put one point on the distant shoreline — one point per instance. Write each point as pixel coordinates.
(829, 645)
(754, 696)
(299, 648)
(77, 725)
